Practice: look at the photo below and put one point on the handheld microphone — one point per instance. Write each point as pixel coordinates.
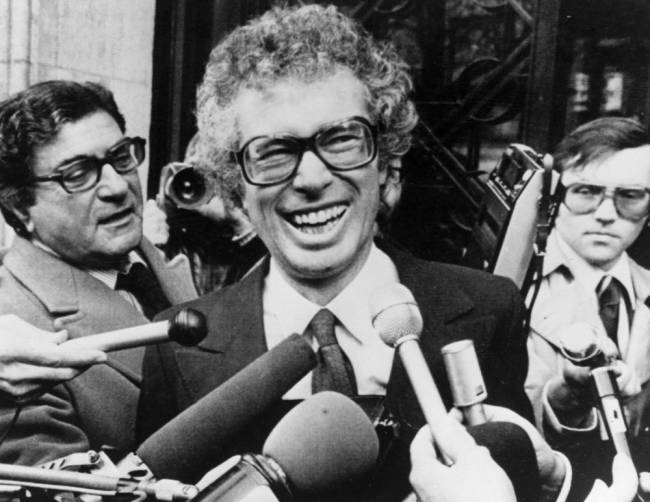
(466, 380)
(579, 344)
(182, 447)
(607, 395)
(324, 444)
(187, 327)
(36, 477)
(397, 318)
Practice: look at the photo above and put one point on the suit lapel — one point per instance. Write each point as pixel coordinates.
(235, 335)
(174, 276)
(441, 308)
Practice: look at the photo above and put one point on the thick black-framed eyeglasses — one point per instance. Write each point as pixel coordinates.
(342, 146)
(84, 174)
(631, 203)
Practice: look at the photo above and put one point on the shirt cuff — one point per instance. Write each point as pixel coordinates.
(551, 419)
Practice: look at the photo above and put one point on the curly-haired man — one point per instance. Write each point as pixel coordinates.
(305, 113)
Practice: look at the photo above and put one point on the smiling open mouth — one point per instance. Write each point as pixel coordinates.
(317, 222)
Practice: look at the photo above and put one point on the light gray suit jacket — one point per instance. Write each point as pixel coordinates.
(98, 407)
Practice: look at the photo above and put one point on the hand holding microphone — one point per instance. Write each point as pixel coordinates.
(473, 475)
(397, 318)
(32, 358)
(592, 374)
(187, 327)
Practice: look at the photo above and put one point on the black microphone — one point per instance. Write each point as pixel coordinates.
(93, 484)
(397, 318)
(466, 380)
(325, 444)
(187, 327)
(201, 433)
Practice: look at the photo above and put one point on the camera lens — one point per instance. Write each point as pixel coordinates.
(188, 187)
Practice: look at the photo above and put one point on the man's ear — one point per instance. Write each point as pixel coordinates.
(390, 191)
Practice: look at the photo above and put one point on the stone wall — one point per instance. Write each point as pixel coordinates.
(106, 41)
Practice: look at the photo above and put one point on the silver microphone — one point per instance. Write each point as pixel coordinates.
(466, 380)
(397, 318)
(604, 383)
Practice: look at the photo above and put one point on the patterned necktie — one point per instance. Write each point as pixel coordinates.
(610, 292)
(334, 370)
(140, 282)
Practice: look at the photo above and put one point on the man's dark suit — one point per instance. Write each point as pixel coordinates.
(98, 407)
(456, 303)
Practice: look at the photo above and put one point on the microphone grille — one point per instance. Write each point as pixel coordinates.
(394, 313)
(324, 443)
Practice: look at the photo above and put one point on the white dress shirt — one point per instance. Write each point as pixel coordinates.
(286, 312)
(587, 277)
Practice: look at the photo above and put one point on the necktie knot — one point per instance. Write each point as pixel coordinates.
(609, 291)
(141, 283)
(322, 327)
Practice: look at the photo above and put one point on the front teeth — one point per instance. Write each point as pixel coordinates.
(306, 221)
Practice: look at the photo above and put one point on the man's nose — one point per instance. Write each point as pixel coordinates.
(313, 175)
(606, 210)
(112, 183)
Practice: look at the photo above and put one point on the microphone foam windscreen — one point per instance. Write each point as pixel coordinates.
(325, 442)
(191, 443)
(394, 313)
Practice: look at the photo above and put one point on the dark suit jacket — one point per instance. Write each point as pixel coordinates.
(98, 407)
(456, 303)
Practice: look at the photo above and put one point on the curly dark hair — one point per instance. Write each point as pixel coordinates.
(307, 43)
(33, 118)
(597, 140)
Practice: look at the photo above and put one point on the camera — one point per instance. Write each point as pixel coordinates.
(518, 202)
(186, 185)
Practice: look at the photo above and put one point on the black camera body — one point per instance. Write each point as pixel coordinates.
(518, 192)
(185, 185)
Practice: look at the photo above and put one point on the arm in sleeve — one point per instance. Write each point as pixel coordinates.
(46, 428)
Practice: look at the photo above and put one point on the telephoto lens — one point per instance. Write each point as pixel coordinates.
(186, 186)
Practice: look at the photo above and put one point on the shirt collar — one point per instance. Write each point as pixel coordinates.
(296, 311)
(351, 305)
(559, 253)
(109, 276)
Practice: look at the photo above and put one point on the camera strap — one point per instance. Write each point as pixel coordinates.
(546, 211)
